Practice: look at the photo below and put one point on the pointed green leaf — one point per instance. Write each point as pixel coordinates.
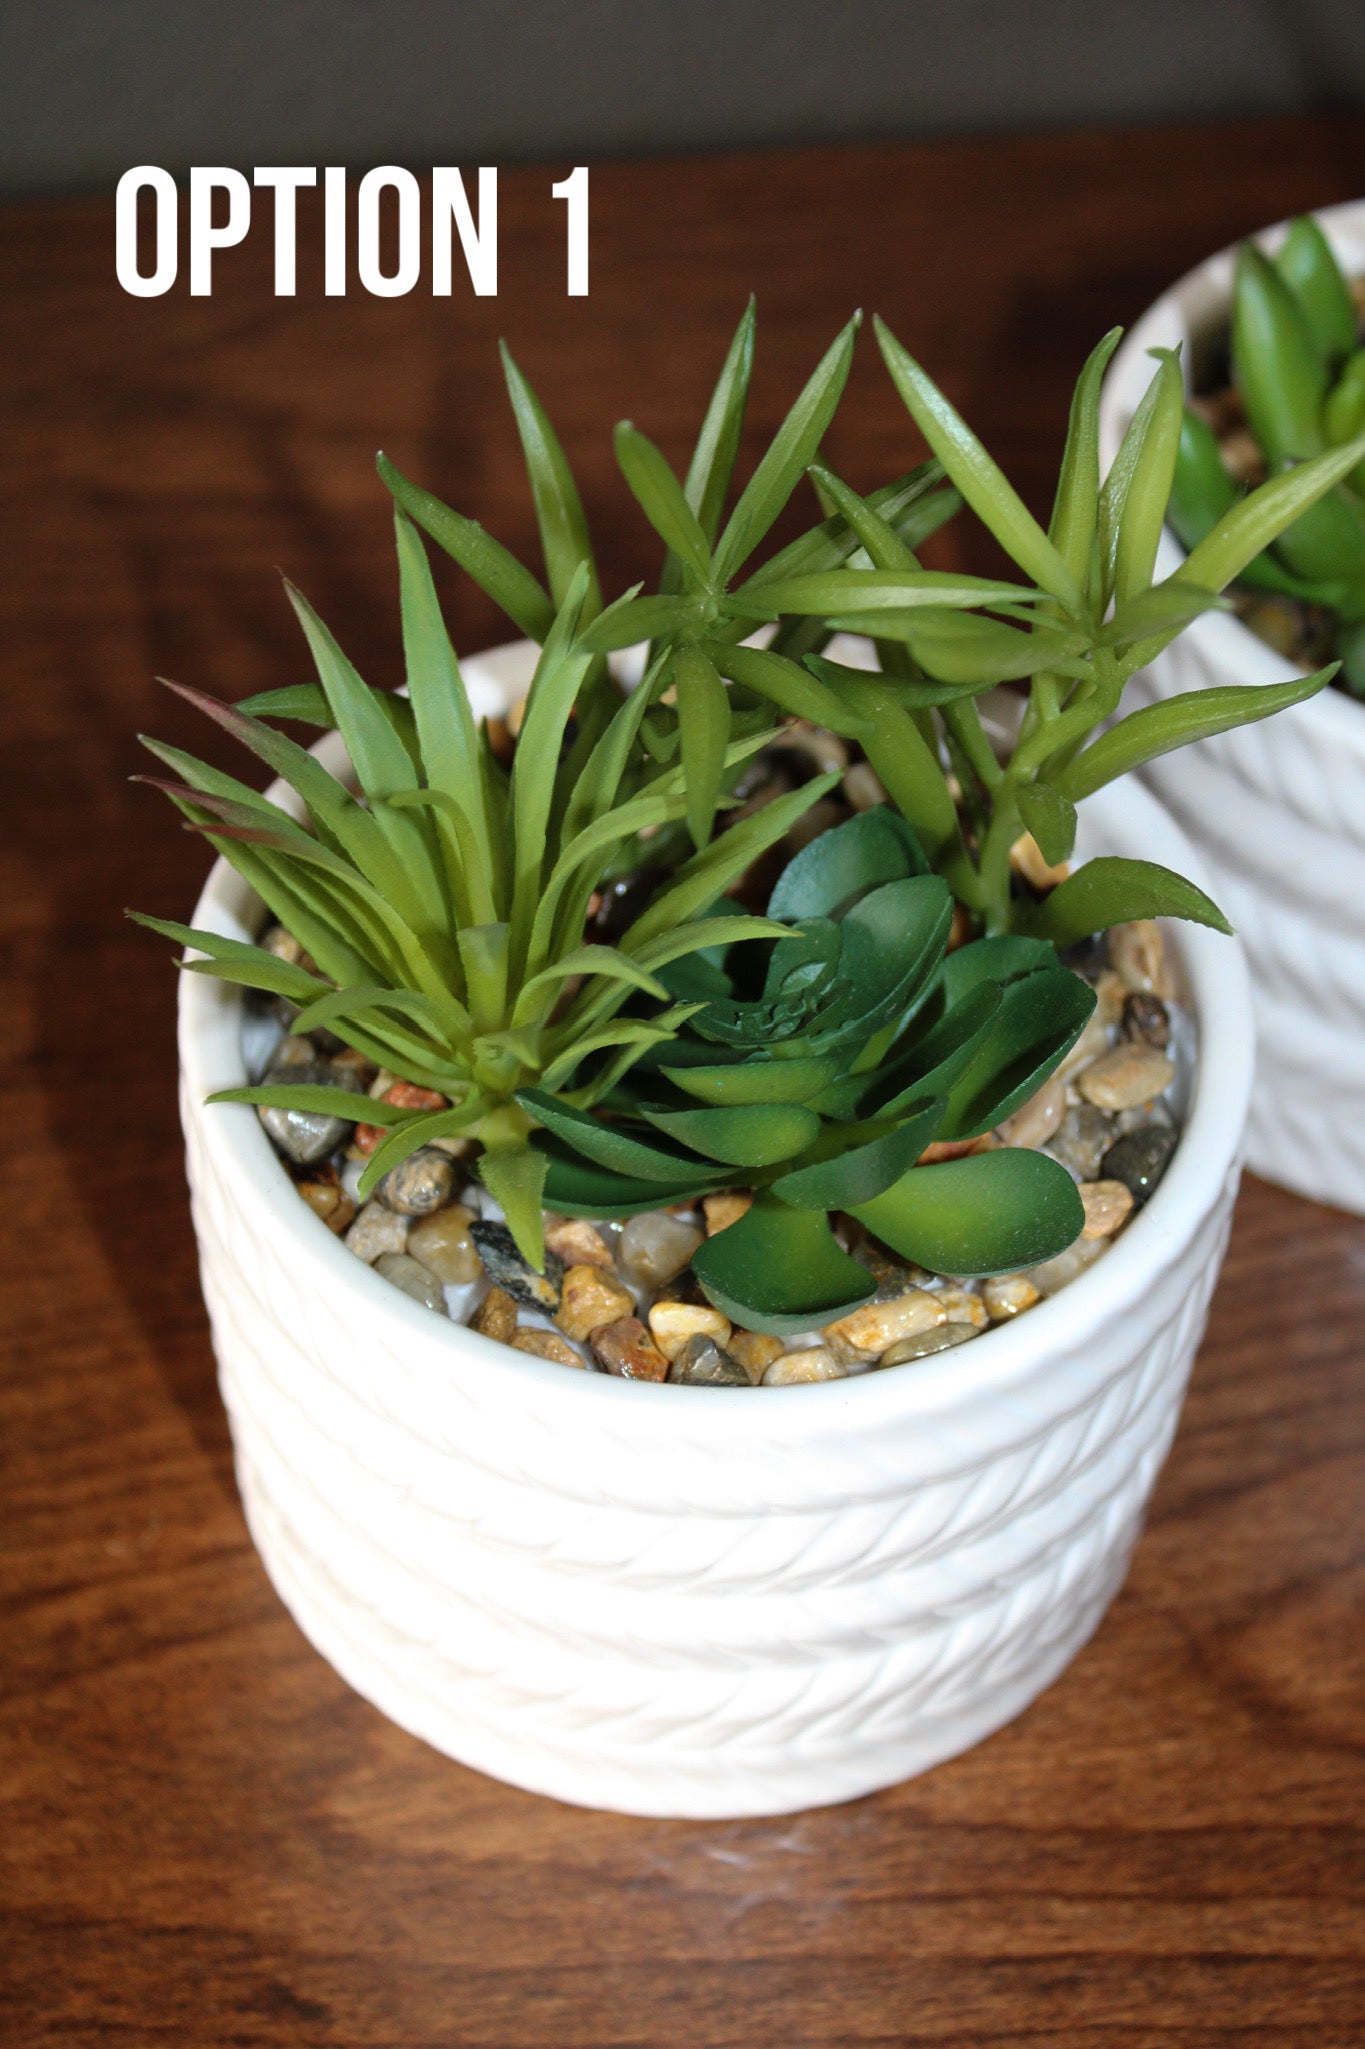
(317, 1098)
(704, 722)
(1264, 514)
(1072, 527)
(493, 568)
(1312, 273)
(713, 459)
(1110, 891)
(559, 509)
(1051, 818)
(755, 1082)
(578, 1187)
(1040, 1018)
(607, 1145)
(794, 690)
(515, 1178)
(979, 479)
(1194, 715)
(660, 497)
(1132, 503)
(784, 464)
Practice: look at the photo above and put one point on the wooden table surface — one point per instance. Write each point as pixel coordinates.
(205, 1838)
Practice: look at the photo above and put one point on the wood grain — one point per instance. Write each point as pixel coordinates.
(204, 1838)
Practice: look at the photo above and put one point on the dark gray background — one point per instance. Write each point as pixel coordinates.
(89, 87)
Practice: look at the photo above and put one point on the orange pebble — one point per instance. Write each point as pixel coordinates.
(405, 1095)
(367, 1137)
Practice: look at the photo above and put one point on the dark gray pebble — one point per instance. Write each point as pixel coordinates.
(305, 1136)
(1139, 1160)
(1081, 1139)
(704, 1363)
(1146, 1020)
(507, 1269)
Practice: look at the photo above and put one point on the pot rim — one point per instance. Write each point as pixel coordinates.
(999, 1359)
(1183, 310)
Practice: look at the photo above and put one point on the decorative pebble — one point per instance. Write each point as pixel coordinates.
(407, 1095)
(1007, 1295)
(725, 1209)
(815, 1362)
(377, 1230)
(421, 1183)
(876, 1325)
(703, 1363)
(755, 1351)
(354, 1063)
(674, 1324)
(960, 1305)
(1109, 996)
(409, 1275)
(1082, 1139)
(1146, 1018)
(1131, 1074)
(547, 1344)
(505, 1265)
(1093, 1042)
(496, 1316)
(1026, 859)
(283, 945)
(444, 1246)
(1035, 1121)
(293, 1051)
(305, 1136)
(328, 1200)
(1054, 1274)
(627, 1349)
(655, 1246)
(1138, 951)
(941, 1339)
(891, 1273)
(863, 787)
(1107, 1205)
(1139, 1159)
(579, 1243)
(588, 1298)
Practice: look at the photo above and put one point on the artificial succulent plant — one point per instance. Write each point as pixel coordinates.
(833, 1055)
(1298, 370)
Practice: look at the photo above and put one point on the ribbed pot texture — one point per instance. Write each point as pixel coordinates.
(691, 1601)
(1277, 810)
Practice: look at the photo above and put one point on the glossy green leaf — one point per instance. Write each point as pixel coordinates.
(1202, 488)
(1194, 715)
(830, 874)
(758, 1082)
(704, 723)
(713, 459)
(318, 1098)
(1110, 891)
(784, 464)
(660, 497)
(909, 694)
(1051, 817)
(1041, 1016)
(756, 1135)
(1072, 527)
(989, 1213)
(933, 1063)
(886, 549)
(1312, 273)
(1164, 609)
(1133, 499)
(780, 1270)
(863, 1171)
(881, 590)
(980, 480)
(963, 647)
(633, 619)
(607, 1145)
(1003, 958)
(559, 509)
(1264, 514)
(792, 688)
(494, 568)
(578, 1187)
(1276, 364)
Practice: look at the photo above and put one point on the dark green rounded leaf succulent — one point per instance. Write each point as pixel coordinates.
(817, 1069)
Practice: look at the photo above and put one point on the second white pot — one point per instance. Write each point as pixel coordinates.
(1278, 811)
(695, 1601)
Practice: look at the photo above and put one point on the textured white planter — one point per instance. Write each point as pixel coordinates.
(693, 1601)
(1277, 810)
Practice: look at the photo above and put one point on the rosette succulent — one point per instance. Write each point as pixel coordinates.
(818, 1068)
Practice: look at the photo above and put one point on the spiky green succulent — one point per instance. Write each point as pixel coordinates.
(1299, 367)
(817, 1068)
(1088, 617)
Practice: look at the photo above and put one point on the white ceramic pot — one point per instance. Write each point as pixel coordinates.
(1277, 810)
(693, 1601)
